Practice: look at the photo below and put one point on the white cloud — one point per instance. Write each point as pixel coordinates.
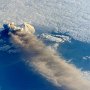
(86, 75)
(65, 15)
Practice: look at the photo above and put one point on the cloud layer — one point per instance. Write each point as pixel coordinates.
(71, 16)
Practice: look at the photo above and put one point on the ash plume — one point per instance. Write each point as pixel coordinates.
(48, 63)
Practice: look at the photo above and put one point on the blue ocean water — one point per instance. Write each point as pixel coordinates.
(15, 75)
(76, 51)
